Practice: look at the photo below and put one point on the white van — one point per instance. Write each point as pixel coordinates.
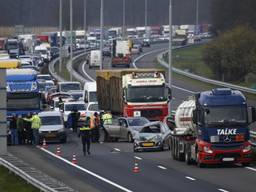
(90, 92)
(95, 58)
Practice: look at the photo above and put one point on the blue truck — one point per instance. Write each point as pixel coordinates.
(212, 127)
(23, 95)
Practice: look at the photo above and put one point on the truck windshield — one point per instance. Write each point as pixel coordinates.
(146, 94)
(23, 102)
(225, 115)
(69, 87)
(92, 97)
(12, 45)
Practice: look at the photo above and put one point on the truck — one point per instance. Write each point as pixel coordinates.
(133, 92)
(23, 95)
(14, 47)
(211, 127)
(121, 53)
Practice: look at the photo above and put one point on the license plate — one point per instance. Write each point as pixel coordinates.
(227, 159)
(50, 135)
(147, 144)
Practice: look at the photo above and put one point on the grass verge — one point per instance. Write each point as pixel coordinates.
(12, 183)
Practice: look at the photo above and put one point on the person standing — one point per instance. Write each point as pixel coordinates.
(13, 129)
(28, 134)
(92, 126)
(107, 118)
(35, 125)
(20, 129)
(97, 127)
(86, 136)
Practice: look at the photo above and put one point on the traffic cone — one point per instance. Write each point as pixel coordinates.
(44, 144)
(74, 160)
(58, 152)
(136, 168)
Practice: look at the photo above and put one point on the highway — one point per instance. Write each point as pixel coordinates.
(109, 168)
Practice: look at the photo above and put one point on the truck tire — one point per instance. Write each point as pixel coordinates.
(188, 156)
(129, 138)
(172, 150)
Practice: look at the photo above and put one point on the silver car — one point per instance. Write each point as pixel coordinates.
(123, 128)
(153, 136)
(52, 128)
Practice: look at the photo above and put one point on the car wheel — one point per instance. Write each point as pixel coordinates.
(129, 137)
(134, 149)
(188, 157)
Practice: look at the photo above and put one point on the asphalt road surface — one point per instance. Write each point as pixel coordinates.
(109, 167)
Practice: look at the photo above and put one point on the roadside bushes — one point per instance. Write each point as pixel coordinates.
(232, 55)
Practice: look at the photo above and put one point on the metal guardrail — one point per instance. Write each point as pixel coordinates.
(203, 79)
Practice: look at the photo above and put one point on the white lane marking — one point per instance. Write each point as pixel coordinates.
(136, 157)
(86, 74)
(161, 167)
(117, 149)
(223, 190)
(101, 142)
(250, 168)
(190, 178)
(87, 171)
(182, 89)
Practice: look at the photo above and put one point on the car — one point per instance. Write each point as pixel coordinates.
(53, 95)
(124, 128)
(152, 136)
(106, 51)
(44, 86)
(44, 77)
(71, 105)
(91, 108)
(77, 94)
(136, 49)
(67, 86)
(52, 128)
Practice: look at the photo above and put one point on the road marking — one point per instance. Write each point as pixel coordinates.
(117, 149)
(136, 157)
(101, 142)
(223, 190)
(182, 89)
(250, 168)
(190, 178)
(86, 74)
(87, 171)
(161, 167)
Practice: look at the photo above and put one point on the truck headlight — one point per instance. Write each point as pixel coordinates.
(34, 86)
(247, 148)
(207, 150)
(8, 88)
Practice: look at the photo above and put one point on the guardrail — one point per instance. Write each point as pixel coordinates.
(26, 177)
(203, 79)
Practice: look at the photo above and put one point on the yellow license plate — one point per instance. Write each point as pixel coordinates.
(51, 135)
(147, 144)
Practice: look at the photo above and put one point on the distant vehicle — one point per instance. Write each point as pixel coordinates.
(123, 128)
(90, 92)
(44, 77)
(92, 108)
(146, 42)
(95, 58)
(43, 51)
(67, 86)
(27, 58)
(54, 52)
(44, 86)
(52, 128)
(77, 94)
(71, 105)
(136, 49)
(153, 136)
(114, 32)
(23, 95)
(55, 103)
(106, 51)
(15, 48)
(121, 53)
(29, 66)
(53, 95)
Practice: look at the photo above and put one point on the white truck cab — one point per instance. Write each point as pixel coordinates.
(90, 92)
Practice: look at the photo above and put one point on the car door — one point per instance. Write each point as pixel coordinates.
(114, 128)
(123, 128)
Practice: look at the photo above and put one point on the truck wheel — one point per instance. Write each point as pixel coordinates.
(187, 156)
(129, 137)
(245, 164)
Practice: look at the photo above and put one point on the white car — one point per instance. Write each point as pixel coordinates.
(92, 107)
(71, 105)
(67, 86)
(52, 128)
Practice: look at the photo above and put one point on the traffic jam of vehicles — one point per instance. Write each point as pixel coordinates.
(211, 127)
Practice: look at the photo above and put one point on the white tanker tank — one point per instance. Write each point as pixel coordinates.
(184, 118)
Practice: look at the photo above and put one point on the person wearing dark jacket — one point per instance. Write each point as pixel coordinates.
(73, 119)
(13, 129)
(20, 129)
(86, 136)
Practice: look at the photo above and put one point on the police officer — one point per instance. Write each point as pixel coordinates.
(35, 125)
(86, 136)
(107, 118)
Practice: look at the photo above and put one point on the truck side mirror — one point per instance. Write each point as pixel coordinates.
(194, 118)
(251, 114)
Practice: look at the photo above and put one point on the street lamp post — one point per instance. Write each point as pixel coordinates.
(85, 23)
(123, 31)
(146, 13)
(101, 33)
(71, 38)
(170, 47)
(197, 16)
(60, 28)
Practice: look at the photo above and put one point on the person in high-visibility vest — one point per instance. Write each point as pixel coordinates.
(107, 118)
(35, 125)
(86, 136)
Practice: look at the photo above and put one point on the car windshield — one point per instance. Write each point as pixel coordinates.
(226, 114)
(51, 120)
(70, 107)
(137, 122)
(70, 86)
(146, 94)
(46, 77)
(151, 129)
(93, 107)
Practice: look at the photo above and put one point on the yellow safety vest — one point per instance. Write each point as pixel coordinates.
(107, 118)
(85, 128)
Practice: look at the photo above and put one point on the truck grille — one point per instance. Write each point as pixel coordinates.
(221, 156)
(151, 113)
(227, 147)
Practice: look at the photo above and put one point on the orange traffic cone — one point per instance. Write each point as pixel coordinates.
(44, 144)
(58, 152)
(136, 168)
(74, 160)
